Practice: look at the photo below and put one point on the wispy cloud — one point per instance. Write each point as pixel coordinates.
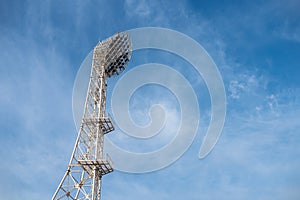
(137, 8)
(35, 84)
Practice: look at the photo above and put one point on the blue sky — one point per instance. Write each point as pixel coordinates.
(255, 44)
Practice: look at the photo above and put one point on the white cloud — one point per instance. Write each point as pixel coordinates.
(136, 8)
(289, 31)
(235, 88)
(37, 116)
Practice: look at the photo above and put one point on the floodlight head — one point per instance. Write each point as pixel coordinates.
(113, 53)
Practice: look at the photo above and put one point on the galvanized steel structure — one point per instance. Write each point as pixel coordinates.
(82, 179)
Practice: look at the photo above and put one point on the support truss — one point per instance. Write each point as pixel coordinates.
(87, 165)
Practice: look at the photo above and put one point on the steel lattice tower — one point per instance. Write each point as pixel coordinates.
(87, 165)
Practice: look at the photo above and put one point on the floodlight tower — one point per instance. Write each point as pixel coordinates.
(87, 165)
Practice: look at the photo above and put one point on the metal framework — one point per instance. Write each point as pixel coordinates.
(87, 165)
